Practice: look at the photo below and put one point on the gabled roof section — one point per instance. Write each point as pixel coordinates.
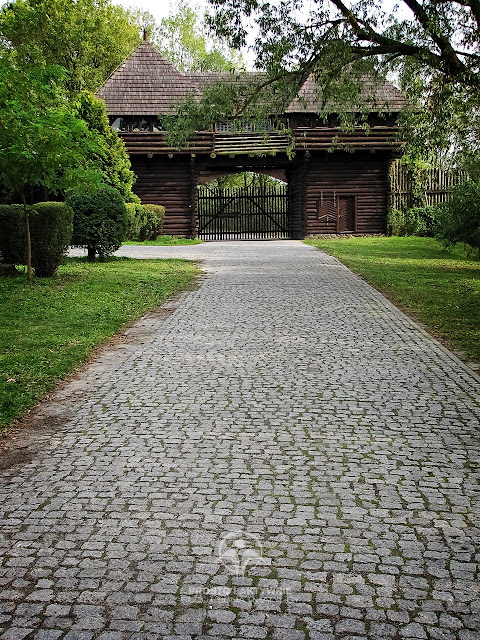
(145, 84)
(205, 78)
(375, 96)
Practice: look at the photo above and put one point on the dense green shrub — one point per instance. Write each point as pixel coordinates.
(12, 234)
(50, 234)
(152, 224)
(112, 157)
(100, 221)
(134, 221)
(459, 220)
(145, 222)
(418, 221)
(51, 228)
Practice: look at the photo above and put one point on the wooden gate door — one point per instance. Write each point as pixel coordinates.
(246, 213)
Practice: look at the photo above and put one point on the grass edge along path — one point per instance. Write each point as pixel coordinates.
(165, 241)
(50, 327)
(438, 288)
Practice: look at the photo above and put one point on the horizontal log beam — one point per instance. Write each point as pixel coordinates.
(205, 142)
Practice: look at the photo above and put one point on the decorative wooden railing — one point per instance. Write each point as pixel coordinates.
(147, 142)
(250, 143)
(324, 137)
(257, 143)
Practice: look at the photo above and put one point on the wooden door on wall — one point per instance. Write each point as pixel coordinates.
(347, 214)
(338, 211)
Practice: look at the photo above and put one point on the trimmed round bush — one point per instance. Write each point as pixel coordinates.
(134, 221)
(51, 228)
(100, 221)
(145, 221)
(50, 235)
(152, 224)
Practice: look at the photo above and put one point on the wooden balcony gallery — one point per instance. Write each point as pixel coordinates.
(334, 181)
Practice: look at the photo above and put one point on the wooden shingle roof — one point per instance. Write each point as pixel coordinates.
(145, 84)
(375, 96)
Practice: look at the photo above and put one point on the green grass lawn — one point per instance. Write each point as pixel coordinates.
(165, 241)
(49, 327)
(440, 288)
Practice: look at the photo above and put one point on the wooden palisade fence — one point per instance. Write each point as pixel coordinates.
(431, 187)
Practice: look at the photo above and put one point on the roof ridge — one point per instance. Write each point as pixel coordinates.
(146, 83)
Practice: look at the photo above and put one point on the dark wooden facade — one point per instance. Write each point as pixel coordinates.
(337, 180)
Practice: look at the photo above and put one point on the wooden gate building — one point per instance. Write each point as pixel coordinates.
(337, 180)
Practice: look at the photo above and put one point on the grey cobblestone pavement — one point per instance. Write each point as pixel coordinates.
(284, 456)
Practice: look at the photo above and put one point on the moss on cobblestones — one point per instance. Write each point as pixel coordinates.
(327, 384)
(440, 288)
(49, 328)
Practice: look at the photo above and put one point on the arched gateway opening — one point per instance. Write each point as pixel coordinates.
(243, 206)
(334, 180)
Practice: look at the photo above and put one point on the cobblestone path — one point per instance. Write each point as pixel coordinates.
(284, 456)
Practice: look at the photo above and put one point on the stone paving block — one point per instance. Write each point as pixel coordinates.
(279, 453)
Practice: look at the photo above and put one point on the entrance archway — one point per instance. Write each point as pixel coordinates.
(246, 206)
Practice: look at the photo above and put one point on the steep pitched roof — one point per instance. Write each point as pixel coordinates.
(205, 78)
(145, 84)
(375, 96)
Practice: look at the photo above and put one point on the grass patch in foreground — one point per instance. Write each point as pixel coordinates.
(441, 288)
(165, 241)
(49, 327)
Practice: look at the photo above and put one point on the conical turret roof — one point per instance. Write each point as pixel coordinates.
(145, 84)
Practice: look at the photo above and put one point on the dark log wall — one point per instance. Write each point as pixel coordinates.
(334, 176)
(297, 192)
(166, 181)
(353, 185)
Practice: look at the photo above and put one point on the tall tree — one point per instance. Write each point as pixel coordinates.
(88, 38)
(184, 40)
(432, 48)
(111, 154)
(41, 142)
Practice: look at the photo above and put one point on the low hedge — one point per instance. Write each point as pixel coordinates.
(51, 226)
(145, 221)
(100, 221)
(133, 221)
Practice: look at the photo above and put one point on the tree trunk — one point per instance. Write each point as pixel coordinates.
(27, 236)
(91, 254)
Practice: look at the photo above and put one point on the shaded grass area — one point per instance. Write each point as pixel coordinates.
(163, 241)
(49, 327)
(441, 288)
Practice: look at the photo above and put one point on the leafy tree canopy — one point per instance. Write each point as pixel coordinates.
(184, 40)
(88, 38)
(41, 141)
(111, 155)
(430, 47)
